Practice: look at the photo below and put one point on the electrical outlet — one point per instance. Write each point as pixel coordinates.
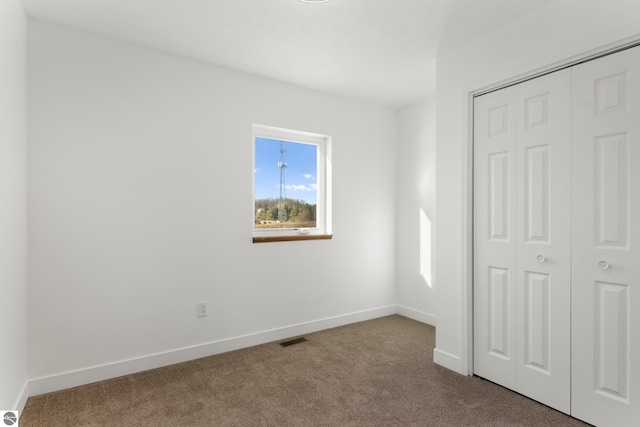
(202, 309)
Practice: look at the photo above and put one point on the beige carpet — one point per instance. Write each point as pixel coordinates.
(374, 373)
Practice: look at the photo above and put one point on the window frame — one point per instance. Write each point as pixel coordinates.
(322, 230)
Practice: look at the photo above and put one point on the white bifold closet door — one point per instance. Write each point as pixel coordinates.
(606, 240)
(522, 334)
(557, 237)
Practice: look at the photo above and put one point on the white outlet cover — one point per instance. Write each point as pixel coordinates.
(202, 309)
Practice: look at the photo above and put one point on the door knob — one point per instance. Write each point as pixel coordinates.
(541, 259)
(604, 265)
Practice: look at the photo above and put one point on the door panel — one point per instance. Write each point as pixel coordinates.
(498, 214)
(611, 189)
(606, 259)
(544, 262)
(494, 242)
(536, 322)
(498, 311)
(611, 337)
(521, 239)
(536, 187)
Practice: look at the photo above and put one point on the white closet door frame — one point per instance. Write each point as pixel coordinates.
(597, 47)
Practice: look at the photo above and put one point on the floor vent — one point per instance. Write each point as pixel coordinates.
(292, 342)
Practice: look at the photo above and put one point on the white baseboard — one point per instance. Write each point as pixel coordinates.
(21, 400)
(417, 315)
(93, 374)
(447, 360)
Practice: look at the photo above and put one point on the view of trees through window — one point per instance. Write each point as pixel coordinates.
(285, 184)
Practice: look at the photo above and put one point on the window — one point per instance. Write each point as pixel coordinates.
(291, 185)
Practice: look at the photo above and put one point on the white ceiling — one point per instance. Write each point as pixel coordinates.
(382, 51)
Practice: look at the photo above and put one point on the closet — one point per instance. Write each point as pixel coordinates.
(556, 237)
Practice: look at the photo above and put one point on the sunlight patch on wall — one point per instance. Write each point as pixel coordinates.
(425, 247)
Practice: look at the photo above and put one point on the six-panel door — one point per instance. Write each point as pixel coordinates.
(522, 240)
(495, 244)
(605, 240)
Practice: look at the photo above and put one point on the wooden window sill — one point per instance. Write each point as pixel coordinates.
(268, 239)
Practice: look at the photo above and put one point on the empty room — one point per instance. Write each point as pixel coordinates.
(320, 212)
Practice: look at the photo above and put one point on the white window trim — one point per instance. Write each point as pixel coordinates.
(323, 203)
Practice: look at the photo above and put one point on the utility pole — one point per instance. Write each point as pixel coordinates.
(283, 192)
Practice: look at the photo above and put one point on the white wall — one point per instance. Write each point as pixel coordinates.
(140, 206)
(416, 194)
(13, 181)
(559, 32)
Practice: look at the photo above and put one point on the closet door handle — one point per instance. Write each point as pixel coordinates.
(541, 259)
(604, 265)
